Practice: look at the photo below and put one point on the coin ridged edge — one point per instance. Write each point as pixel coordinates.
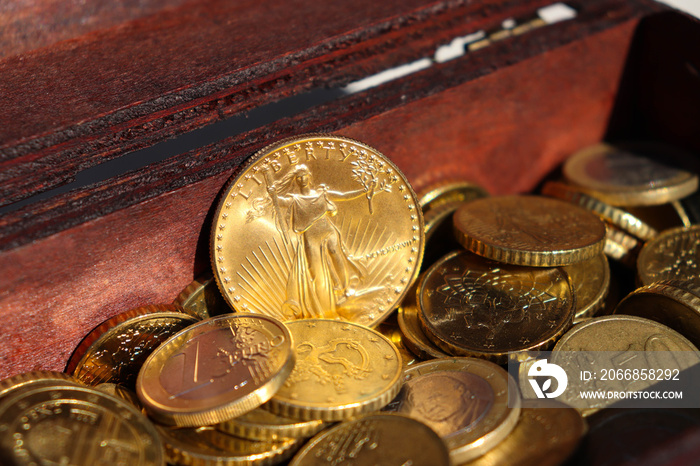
(417, 347)
(81, 351)
(29, 378)
(271, 432)
(268, 148)
(672, 289)
(618, 217)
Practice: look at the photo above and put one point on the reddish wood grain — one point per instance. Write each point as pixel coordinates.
(492, 129)
(80, 102)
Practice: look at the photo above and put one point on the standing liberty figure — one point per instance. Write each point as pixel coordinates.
(322, 275)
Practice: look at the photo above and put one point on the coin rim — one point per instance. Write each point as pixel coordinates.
(647, 250)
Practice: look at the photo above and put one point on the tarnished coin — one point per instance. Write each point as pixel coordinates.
(317, 226)
(202, 298)
(615, 335)
(450, 193)
(413, 336)
(77, 426)
(616, 216)
(673, 255)
(622, 178)
(116, 349)
(674, 303)
(464, 400)
(471, 306)
(591, 282)
(377, 439)
(529, 230)
(207, 446)
(36, 379)
(547, 433)
(215, 370)
(343, 369)
(260, 424)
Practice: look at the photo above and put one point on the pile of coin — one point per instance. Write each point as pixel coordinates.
(323, 336)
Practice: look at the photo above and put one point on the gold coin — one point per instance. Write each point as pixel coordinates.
(216, 370)
(343, 369)
(616, 334)
(120, 391)
(464, 400)
(673, 255)
(591, 282)
(529, 230)
(674, 303)
(413, 336)
(622, 219)
(620, 245)
(622, 178)
(35, 379)
(207, 446)
(450, 193)
(470, 306)
(116, 349)
(662, 217)
(202, 298)
(377, 439)
(260, 424)
(318, 226)
(393, 333)
(77, 426)
(547, 433)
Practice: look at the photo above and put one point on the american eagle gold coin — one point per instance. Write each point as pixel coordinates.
(375, 439)
(536, 231)
(317, 226)
(464, 400)
(215, 370)
(342, 370)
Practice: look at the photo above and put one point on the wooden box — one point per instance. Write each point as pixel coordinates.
(97, 91)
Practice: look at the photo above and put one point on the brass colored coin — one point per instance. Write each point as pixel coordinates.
(591, 282)
(116, 349)
(202, 298)
(620, 245)
(215, 370)
(614, 215)
(662, 217)
(207, 446)
(414, 337)
(464, 400)
(529, 230)
(547, 433)
(343, 369)
(260, 424)
(470, 306)
(77, 426)
(450, 193)
(35, 379)
(622, 178)
(618, 333)
(393, 333)
(120, 391)
(377, 439)
(674, 303)
(318, 226)
(673, 255)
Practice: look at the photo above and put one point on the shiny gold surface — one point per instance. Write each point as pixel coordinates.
(377, 439)
(625, 179)
(260, 424)
(202, 298)
(216, 370)
(35, 379)
(317, 226)
(617, 334)
(674, 303)
(464, 400)
(673, 255)
(116, 349)
(591, 282)
(342, 370)
(620, 245)
(413, 336)
(547, 433)
(449, 193)
(75, 426)
(622, 219)
(207, 446)
(394, 334)
(471, 306)
(529, 230)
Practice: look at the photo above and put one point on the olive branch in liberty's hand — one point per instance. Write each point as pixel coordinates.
(373, 174)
